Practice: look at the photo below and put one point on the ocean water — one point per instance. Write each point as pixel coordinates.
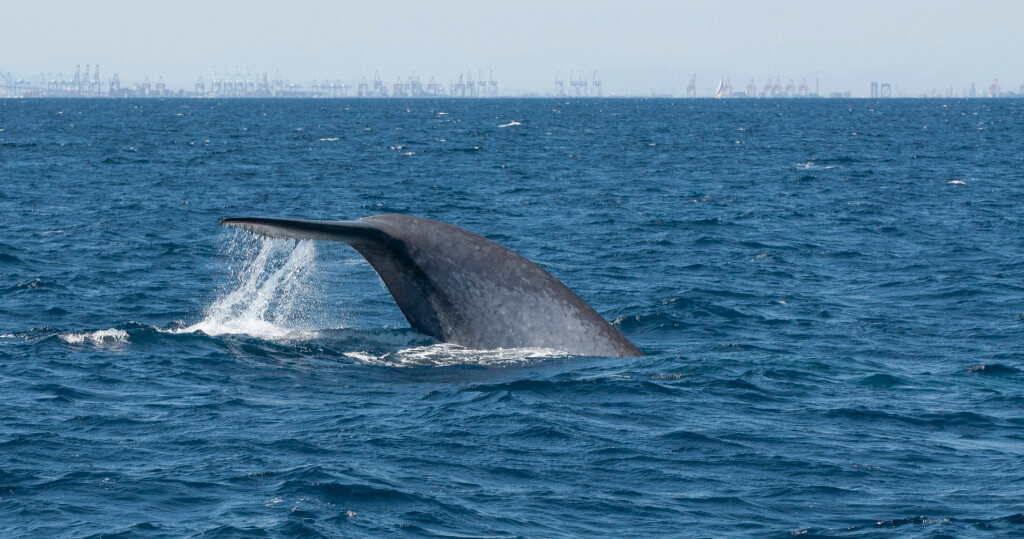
(829, 293)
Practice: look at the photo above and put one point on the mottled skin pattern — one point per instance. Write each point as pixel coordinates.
(462, 288)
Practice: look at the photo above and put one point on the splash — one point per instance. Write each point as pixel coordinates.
(99, 338)
(273, 298)
(447, 354)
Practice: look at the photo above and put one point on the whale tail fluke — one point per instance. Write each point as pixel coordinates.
(462, 288)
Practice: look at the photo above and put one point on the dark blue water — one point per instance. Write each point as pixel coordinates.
(830, 295)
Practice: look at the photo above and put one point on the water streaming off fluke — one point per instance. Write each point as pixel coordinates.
(273, 296)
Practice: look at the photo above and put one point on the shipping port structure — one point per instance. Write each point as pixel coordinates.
(228, 83)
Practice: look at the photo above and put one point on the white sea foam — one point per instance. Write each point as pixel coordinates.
(105, 336)
(446, 354)
(510, 124)
(272, 297)
(811, 164)
(957, 182)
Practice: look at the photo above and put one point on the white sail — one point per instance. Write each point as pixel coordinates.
(720, 92)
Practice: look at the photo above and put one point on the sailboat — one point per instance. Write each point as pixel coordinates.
(720, 92)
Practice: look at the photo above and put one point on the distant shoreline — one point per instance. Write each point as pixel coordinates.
(497, 98)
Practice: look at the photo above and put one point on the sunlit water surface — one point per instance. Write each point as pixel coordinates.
(829, 294)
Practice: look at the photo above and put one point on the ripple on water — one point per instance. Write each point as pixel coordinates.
(832, 329)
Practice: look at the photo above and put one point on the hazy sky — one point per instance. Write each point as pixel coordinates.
(633, 45)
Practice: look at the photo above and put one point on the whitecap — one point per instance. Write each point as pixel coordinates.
(328, 139)
(957, 182)
(447, 354)
(105, 336)
(510, 124)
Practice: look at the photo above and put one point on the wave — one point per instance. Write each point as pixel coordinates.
(447, 354)
(943, 419)
(882, 381)
(994, 369)
(378, 347)
(101, 337)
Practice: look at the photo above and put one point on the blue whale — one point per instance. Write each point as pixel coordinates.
(458, 287)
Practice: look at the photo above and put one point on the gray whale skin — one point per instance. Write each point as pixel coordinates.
(458, 287)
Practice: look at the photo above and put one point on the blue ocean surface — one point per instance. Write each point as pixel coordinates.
(829, 293)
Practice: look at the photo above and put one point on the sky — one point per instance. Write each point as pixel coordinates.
(635, 47)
